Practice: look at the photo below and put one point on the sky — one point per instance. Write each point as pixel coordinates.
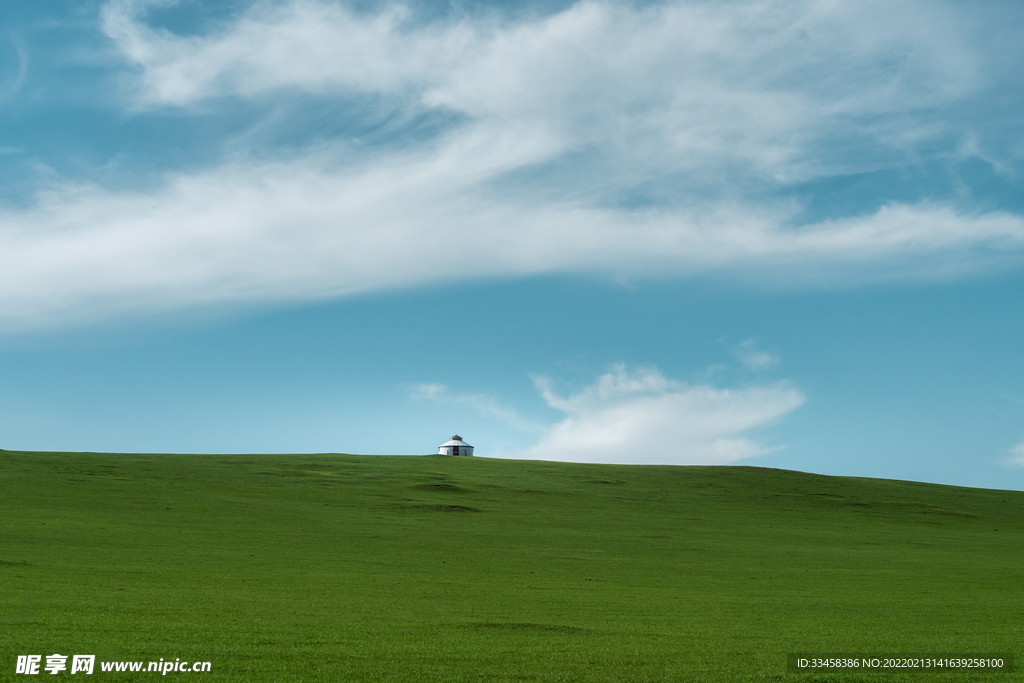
(781, 233)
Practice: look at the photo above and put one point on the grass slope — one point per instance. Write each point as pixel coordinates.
(389, 568)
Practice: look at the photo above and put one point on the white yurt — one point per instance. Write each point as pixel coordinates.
(455, 446)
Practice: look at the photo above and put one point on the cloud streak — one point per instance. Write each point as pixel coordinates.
(481, 403)
(292, 231)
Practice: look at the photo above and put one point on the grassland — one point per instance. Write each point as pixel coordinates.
(387, 568)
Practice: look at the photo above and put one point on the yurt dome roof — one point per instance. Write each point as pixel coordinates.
(455, 441)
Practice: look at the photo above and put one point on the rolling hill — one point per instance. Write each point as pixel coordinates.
(425, 568)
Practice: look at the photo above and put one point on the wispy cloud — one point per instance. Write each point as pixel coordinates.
(754, 358)
(680, 85)
(1016, 458)
(604, 138)
(428, 391)
(11, 79)
(639, 416)
(480, 403)
(253, 233)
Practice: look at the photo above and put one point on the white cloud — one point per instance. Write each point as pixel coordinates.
(683, 84)
(754, 358)
(688, 95)
(300, 229)
(1016, 455)
(639, 416)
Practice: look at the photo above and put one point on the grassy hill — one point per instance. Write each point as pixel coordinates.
(389, 568)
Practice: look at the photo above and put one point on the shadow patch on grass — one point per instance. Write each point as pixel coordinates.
(452, 508)
(441, 487)
(518, 626)
(438, 508)
(912, 508)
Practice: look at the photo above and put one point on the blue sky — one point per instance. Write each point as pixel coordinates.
(787, 234)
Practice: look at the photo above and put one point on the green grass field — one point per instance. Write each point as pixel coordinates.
(390, 568)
